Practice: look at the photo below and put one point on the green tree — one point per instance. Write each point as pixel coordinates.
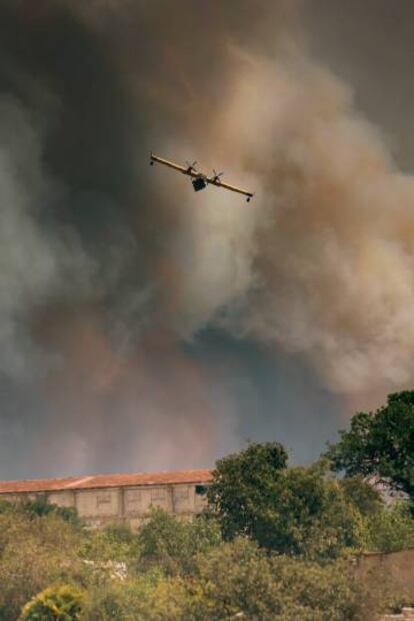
(380, 444)
(243, 486)
(295, 511)
(58, 603)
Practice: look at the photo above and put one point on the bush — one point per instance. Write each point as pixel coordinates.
(390, 529)
(238, 578)
(116, 542)
(146, 597)
(34, 553)
(171, 544)
(363, 495)
(59, 603)
(40, 506)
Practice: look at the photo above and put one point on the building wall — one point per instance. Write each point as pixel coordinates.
(398, 566)
(129, 504)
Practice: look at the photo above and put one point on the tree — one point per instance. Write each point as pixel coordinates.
(295, 511)
(380, 444)
(243, 483)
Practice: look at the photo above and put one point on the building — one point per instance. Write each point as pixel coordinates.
(102, 499)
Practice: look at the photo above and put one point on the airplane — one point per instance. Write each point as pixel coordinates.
(198, 179)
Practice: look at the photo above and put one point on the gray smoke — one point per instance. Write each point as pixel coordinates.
(131, 312)
(28, 266)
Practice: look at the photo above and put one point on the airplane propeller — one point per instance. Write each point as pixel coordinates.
(217, 175)
(191, 166)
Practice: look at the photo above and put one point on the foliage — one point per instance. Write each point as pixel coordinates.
(380, 444)
(59, 603)
(238, 579)
(243, 483)
(117, 600)
(389, 530)
(295, 511)
(364, 496)
(35, 552)
(40, 506)
(116, 542)
(144, 597)
(171, 544)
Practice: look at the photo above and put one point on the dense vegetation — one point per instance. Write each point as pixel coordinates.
(174, 570)
(277, 542)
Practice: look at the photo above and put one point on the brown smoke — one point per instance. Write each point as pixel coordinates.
(333, 246)
(322, 262)
(134, 411)
(114, 269)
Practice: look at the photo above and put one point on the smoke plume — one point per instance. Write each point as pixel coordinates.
(129, 310)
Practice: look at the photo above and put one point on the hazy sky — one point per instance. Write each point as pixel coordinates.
(143, 326)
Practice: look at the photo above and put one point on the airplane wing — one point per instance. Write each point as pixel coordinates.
(183, 169)
(227, 186)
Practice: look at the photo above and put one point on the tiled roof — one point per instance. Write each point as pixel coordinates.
(202, 475)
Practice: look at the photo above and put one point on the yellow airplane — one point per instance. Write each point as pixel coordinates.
(198, 179)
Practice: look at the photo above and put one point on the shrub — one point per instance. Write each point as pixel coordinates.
(34, 553)
(58, 603)
(171, 544)
(116, 542)
(40, 506)
(364, 496)
(146, 597)
(238, 578)
(390, 529)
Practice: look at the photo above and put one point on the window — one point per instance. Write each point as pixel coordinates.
(201, 490)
